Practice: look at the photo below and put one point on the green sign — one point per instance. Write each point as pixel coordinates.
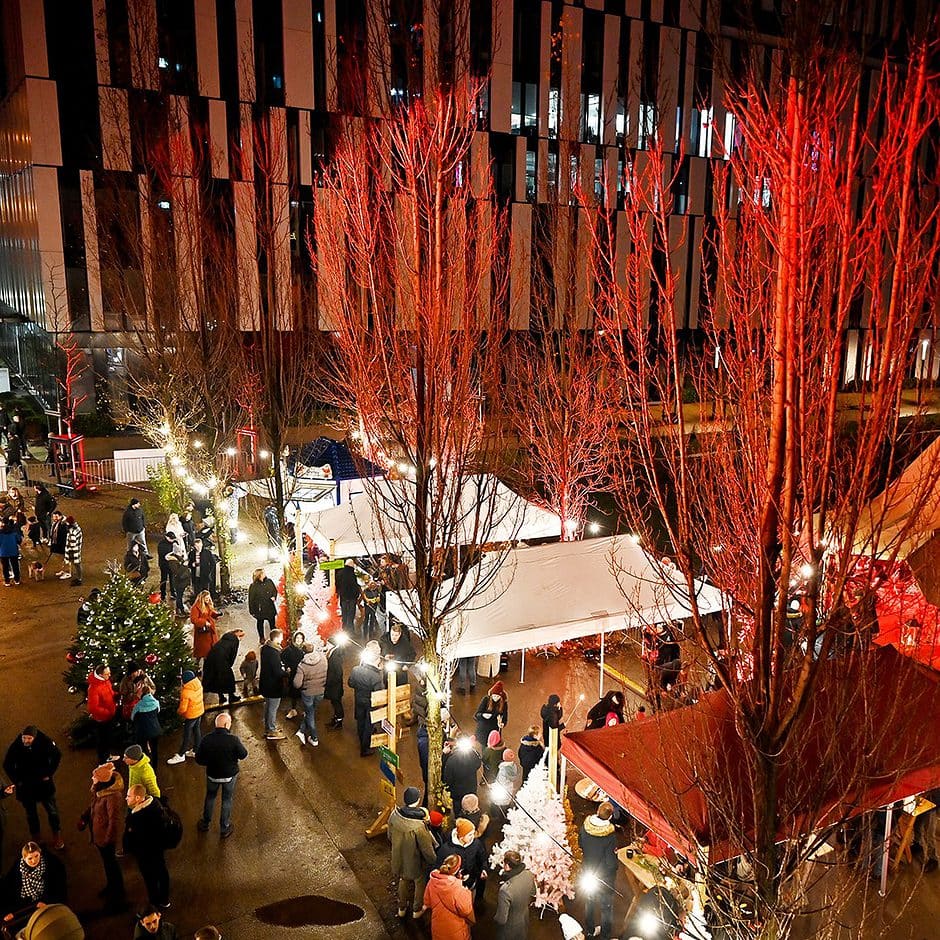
(331, 565)
(390, 757)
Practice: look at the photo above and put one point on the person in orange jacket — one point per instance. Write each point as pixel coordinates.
(191, 709)
(450, 902)
(102, 707)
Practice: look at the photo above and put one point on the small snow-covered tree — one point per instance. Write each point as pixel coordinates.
(537, 830)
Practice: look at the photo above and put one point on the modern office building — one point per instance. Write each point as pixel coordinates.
(575, 88)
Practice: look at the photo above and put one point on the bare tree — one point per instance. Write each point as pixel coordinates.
(824, 220)
(412, 267)
(556, 394)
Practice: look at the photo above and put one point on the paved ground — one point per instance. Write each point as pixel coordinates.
(299, 814)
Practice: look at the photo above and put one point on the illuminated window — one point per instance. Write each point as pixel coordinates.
(554, 101)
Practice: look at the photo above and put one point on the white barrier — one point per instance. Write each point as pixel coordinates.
(133, 466)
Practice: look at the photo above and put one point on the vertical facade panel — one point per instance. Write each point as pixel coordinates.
(669, 40)
(609, 82)
(329, 30)
(115, 129)
(501, 73)
(246, 258)
(246, 49)
(298, 53)
(306, 154)
(218, 139)
(571, 42)
(520, 275)
(207, 48)
(545, 73)
(45, 137)
(102, 53)
(92, 254)
(142, 30)
(35, 57)
(633, 82)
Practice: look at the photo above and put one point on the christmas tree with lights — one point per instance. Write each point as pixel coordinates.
(121, 626)
(536, 828)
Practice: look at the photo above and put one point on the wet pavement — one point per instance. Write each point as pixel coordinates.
(298, 864)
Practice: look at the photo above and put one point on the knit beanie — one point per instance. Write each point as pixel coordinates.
(493, 739)
(436, 819)
(464, 827)
(134, 752)
(188, 676)
(570, 928)
(509, 755)
(103, 773)
(412, 796)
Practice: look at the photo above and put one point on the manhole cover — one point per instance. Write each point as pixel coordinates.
(310, 910)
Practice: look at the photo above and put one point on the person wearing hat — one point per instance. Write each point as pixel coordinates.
(412, 851)
(53, 922)
(570, 928)
(191, 709)
(365, 679)
(450, 902)
(492, 712)
(104, 818)
(140, 770)
(31, 762)
(465, 843)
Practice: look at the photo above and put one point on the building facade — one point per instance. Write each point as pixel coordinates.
(575, 88)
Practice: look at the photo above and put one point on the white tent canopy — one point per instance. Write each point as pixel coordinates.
(551, 593)
(356, 528)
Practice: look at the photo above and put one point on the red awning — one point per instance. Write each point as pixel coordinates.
(869, 738)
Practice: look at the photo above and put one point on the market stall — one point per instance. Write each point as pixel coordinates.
(669, 771)
(377, 522)
(550, 593)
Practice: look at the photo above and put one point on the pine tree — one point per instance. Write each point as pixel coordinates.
(320, 616)
(123, 626)
(536, 828)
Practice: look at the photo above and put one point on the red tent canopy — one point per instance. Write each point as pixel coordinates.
(868, 738)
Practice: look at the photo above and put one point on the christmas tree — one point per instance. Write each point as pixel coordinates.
(536, 828)
(320, 616)
(121, 626)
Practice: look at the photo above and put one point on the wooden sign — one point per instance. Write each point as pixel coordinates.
(381, 714)
(402, 694)
(378, 740)
(387, 788)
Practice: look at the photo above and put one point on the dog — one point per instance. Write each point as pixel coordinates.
(37, 571)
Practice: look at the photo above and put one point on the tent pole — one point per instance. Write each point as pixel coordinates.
(886, 851)
(601, 677)
(522, 674)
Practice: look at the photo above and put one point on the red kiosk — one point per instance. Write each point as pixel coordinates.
(68, 462)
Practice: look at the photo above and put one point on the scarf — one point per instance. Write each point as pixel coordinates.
(33, 879)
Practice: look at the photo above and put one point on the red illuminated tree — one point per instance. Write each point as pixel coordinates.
(825, 218)
(412, 260)
(557, 398)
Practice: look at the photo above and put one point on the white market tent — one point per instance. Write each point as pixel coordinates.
(551, 593)
(354, 529)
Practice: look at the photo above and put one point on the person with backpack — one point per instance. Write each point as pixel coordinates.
(412, 852)
(146, 837)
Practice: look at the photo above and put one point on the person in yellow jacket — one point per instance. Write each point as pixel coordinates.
(191, 709)
(140, 771)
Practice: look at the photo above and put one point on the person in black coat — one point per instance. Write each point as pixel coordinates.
(333, 691)
(271, 683)
(492, 713)
(348, 590)
(290, 660)
(262, 593)
(366, 678)
(15, 455)
(598, 844)
(530, 751)
(164, 548)
(45, 503)
(189, 528)
(136, 566)
(202, 566)
(143, 838)
(218, 673)
(464, 842)
(220, 752)
(134, 524)
(396, 645)
(462, 770)
(31, 762)
(180, 580)
(551, 718)
(611, 702)
(36, 877)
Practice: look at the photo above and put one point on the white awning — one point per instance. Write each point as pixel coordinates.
(551, 593)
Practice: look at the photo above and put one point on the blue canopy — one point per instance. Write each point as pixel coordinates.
(324, 450)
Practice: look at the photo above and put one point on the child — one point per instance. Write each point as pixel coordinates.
(33, 532)
(249, 671)
(530, 751)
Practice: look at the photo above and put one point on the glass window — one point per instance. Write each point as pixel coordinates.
(515, 122)
(530, 175)
(530, 117)
(730, 135)
(591, 118)
(647, 125)
(554, 98)
(599, 182)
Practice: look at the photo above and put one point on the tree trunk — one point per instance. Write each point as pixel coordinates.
(435, 693)
(766, 856)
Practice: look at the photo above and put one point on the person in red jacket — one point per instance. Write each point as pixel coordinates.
(450, 903)
(102, 707)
